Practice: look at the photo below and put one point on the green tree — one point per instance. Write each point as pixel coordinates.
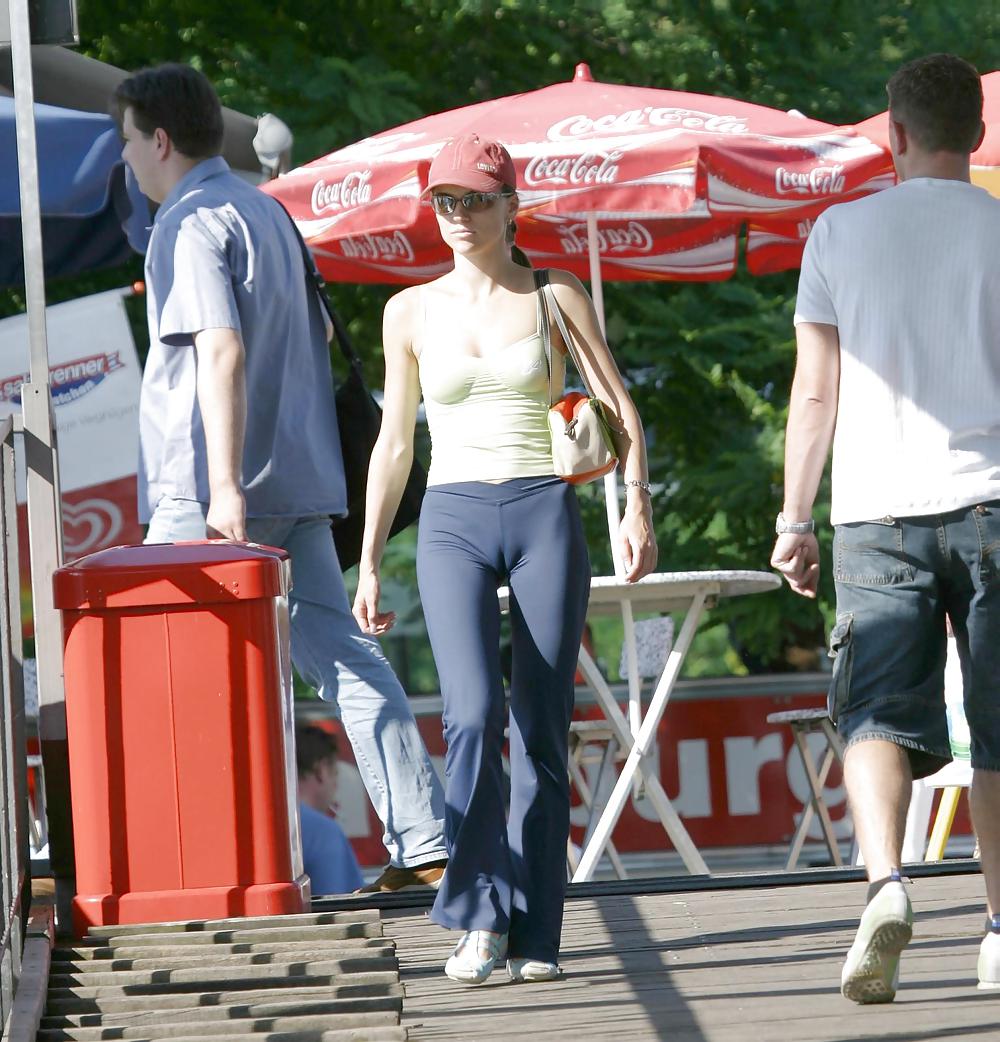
(710, 364)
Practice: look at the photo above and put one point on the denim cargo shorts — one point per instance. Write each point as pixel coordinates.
(896, 580)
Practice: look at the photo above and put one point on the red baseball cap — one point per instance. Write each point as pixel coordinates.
(472, 162)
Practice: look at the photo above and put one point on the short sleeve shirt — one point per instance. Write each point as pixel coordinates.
(223, 255)
(910, 279)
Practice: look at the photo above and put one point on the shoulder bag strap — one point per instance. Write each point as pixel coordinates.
(318, 285)
(567, 339)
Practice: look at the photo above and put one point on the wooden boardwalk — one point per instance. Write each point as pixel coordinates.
(760, 965)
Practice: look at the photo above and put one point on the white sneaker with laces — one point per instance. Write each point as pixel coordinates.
(871, 972)
(475, 956)
(531, 970)
(989, 962)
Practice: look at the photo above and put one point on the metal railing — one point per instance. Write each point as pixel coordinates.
(16, 882)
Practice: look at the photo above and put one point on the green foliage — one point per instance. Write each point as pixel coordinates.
(710, 364)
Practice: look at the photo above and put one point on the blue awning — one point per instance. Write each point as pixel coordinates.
(91, 205)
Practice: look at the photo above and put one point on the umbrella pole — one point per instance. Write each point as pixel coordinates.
(44, 507)
(614, 516)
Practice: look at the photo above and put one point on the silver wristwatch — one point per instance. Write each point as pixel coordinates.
(783, 527)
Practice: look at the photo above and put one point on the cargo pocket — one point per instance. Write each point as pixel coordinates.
(842, 653)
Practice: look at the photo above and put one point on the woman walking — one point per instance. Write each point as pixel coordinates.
(474, 343)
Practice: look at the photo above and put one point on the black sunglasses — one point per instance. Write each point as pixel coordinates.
(474, 202)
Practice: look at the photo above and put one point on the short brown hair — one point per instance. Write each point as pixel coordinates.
(313, 746)
(179, 100)
(939, 99)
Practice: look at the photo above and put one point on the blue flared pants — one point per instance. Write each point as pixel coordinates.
(506, 870)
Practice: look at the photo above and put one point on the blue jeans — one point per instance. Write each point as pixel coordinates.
(896, 580)
(348, 668)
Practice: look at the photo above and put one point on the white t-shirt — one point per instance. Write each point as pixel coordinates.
(911, 279)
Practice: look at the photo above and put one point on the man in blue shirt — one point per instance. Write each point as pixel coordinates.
(238, 429)
(327, 856)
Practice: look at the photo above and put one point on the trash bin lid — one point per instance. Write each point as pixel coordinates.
(206, 571)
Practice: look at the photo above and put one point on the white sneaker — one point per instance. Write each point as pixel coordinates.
(531, 970)
(989, 962)
(871, 972)
(475, 956)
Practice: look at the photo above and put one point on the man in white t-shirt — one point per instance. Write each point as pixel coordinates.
(898, 331)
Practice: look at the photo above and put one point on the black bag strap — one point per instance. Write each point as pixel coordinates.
(542, 279)
(318, 285)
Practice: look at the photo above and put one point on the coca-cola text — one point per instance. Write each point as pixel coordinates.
(649, 118)
(353, 190)
(394, 246)
(597, 168)
(821, 180)
(631, 237)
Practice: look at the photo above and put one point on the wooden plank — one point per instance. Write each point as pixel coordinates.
(714, 966)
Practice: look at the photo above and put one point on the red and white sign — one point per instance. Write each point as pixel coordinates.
(95, 376)
(735, 779)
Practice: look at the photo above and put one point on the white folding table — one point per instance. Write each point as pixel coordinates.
(663, 592)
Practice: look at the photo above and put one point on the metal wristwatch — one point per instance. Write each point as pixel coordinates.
(783, 527)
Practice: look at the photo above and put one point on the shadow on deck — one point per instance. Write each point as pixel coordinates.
(759, 963)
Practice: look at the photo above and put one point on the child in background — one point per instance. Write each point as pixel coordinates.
(327, 856)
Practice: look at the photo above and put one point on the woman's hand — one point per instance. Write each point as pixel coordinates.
(370, 619)
(636, 542)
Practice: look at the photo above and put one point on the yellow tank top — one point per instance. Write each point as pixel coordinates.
(487, 416)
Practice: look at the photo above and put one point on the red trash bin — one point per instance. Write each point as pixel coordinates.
(179, 719)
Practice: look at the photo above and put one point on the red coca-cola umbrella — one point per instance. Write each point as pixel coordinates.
(615, 181)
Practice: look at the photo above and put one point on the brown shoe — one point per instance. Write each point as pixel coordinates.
(394, 879)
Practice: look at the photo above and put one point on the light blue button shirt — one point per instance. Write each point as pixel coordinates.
(224, 255)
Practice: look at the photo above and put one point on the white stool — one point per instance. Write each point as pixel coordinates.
(804, 722)
(952, 779)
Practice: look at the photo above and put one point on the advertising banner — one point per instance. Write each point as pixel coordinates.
(95, 375)
(735, 779)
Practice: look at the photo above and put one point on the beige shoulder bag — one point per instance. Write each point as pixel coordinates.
(583, 448)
